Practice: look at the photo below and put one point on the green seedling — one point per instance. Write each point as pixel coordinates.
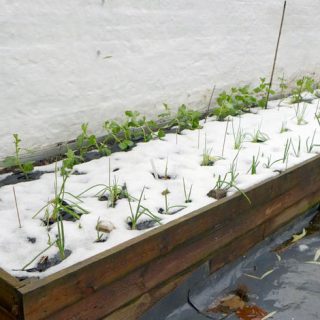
(310, 143)
(254, 164)
(258, 136)
(283, 87)
(239, 137)
(305, 84)
(223, 185)
(297, 149)
(270, 163)
(60, 242)
(84, 141)
(285, 157)
(15, 161)
(262, 91)
(233, 169)
(60, 202)
(167, 208)
(119, 133)
(284, 127)
(139, 211)
(99, 233)
(113, 189)
(184, 118)
(70, 161)
(300, 114)
(207, 158)
(187, 194)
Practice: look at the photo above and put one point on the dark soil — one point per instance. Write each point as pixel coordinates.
(18, 177)
(163, 177)
(147, 224)
(171, 212)
(66, 216)
(45, 262)
(32, 239)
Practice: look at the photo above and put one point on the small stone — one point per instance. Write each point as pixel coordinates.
(105, 226)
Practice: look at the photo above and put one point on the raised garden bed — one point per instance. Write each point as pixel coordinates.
(87, 253)
(124, 281)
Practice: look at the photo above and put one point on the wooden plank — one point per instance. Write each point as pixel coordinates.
(10, 298)
(184, 258)
(138, 307)
(222, 256)
(92, 278)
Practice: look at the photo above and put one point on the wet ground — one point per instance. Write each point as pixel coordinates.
(278, 279)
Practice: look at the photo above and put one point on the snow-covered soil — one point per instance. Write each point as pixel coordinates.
(184, 155)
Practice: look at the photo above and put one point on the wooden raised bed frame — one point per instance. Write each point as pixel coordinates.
(123, 282)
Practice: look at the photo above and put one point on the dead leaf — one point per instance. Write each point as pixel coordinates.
(227, 305)
(251, 313)
(259, 278)
(297, 237)
(313, 262)
(317, 255)
(269, 315)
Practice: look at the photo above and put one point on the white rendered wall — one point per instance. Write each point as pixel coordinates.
(53, 74)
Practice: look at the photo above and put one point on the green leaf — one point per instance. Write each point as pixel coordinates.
(10, 161)
(27, 167)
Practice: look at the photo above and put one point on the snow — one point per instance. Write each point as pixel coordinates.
(135, 170)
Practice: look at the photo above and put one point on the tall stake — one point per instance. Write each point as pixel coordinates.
(207, 113)
(17, 209)
(276, 53)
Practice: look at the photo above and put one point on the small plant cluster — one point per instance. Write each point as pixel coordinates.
(241, 99)
(15, 161)
(304, 84)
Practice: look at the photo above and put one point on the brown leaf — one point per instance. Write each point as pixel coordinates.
(251, 313)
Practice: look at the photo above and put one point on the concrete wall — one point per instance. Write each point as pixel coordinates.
(54, 74)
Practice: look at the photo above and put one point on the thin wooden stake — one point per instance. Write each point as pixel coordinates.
(225, 137)
(209, 104)
(276, 54)
(17, 209)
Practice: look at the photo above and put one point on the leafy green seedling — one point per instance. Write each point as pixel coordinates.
(15, 161)
(139, 211)
(262, 91)
(70, 161)
(305, 84)
(184, 119)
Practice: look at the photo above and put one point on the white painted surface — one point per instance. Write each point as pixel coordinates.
(53, 75)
